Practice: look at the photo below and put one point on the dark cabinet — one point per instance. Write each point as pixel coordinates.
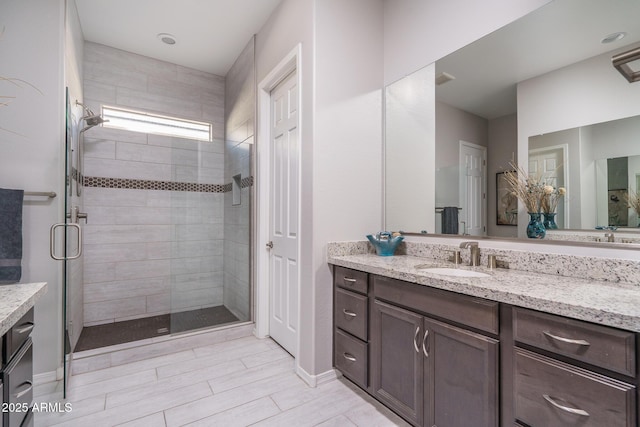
(351, 320)
(17, 373)
(397, 361)
(565, 376)
(461, 376)
(442, 359)
(433, 373)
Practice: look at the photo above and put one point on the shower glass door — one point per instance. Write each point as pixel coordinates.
(211, 251)
(210, 254)
(72, 249)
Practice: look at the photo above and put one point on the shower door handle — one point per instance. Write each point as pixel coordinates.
(52, 241)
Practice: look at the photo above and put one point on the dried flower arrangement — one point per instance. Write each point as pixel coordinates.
(533, 191)
(633, 200)
(550, 198)
(528, 189)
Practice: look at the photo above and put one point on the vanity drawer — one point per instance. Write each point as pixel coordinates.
(470, 311)
(18, 384)
(351, 358)
(351, 313)
(17, 335)
(552, 393)
(351, 279)
(598, 345)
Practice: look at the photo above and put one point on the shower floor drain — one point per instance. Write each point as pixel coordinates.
(163, 330)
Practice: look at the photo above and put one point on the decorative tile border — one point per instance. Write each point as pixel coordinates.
(142, 184)
(246, 182)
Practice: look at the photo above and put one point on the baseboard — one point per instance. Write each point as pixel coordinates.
(316, 380)
(47, 377)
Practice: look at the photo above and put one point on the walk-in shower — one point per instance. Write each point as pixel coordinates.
(167, 244)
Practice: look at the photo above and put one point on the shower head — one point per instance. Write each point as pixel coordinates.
(91, 119)
(94, 120)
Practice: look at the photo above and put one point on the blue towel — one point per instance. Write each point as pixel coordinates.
(450, 220)
(10, 235)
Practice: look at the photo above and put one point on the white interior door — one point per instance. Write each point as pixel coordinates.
(549, 164)
(473, 187)
(283, 230)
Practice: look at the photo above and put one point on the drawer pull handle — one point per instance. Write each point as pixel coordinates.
(565, 408)
(415, 336)
(24, 328)
(424, 341)
(25, 387)
(349, 280)
(349, 357)
(566, 340)
(348, 313)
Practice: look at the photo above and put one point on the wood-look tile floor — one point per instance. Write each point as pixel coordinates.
(242, 382)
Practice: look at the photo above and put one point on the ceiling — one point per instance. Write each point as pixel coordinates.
(558, 34)
(210, 34)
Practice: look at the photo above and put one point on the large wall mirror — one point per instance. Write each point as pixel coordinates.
(541, 93)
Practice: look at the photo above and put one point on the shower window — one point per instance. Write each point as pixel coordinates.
(140, 121)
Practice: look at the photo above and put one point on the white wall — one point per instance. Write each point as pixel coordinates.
(503, 134)
(569, 98)
(410, 128)
(347, 156)
(419, 32)
(31, 158)
(341, 113)
(453, 125)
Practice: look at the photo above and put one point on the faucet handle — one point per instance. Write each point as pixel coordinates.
(456, 258)
(492, 261)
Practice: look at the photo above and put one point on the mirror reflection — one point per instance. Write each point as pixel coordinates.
(527, 94)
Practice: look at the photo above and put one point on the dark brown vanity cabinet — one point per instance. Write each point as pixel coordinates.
(351, 320)
(432, 372)
(443, 359)
(17, 373)
(568, 372)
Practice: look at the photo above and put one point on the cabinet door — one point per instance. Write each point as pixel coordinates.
(397, 361)
(461, 377)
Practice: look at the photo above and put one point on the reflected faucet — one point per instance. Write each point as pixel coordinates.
(474, 252)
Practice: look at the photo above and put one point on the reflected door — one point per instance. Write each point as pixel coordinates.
(473, 184)
(549, 164)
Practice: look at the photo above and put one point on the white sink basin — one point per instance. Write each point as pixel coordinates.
(454, 272)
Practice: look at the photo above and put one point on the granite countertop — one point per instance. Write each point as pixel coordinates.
(607, 303)
(16, 300)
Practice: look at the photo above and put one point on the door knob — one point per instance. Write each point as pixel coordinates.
(270, 245)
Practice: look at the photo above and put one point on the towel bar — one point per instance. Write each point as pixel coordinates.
(49, 194)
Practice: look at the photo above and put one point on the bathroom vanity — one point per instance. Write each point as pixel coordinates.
(507, 348)
(16, 325)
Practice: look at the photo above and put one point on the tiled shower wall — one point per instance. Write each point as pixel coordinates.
(239, 119)
(148, 248)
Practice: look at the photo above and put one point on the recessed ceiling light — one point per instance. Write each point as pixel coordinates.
(613, 37)
(167, 38)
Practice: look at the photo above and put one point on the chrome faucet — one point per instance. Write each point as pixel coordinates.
(610, 237)
(474, 252)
